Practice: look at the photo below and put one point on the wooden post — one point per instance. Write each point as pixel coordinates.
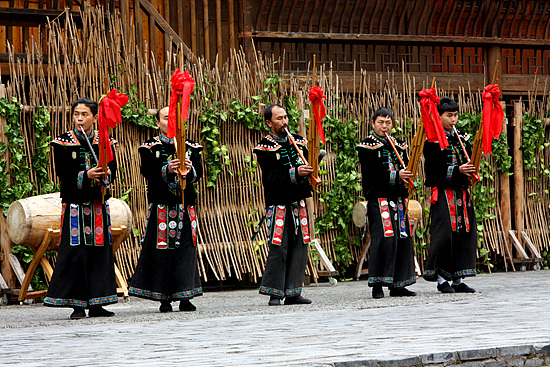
(505, 207)
(194, 27)
(5, 242)
(247, 28)
(125, 16)
(206, 22)
(219, 31)
(494, 54)
(519, 189)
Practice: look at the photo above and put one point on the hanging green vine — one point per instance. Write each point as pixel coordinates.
(18, 170)
(40, 160)
(135, 110)
(341, 198)
(532, 141)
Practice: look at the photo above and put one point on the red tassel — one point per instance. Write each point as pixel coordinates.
(182, 85)
(316, 96)
(430, 116)
(109, 116)
(492, 116)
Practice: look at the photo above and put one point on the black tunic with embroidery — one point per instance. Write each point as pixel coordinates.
(391, 253)
(167, 269)
(84, 274)
(453, 240)
(284, 192)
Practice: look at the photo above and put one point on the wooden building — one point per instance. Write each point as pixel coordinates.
(458, 41)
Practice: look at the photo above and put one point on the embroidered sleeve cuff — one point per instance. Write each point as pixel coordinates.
(393, 176)
(194, 173)
(80, 179)
(292, 172)
(450, 171)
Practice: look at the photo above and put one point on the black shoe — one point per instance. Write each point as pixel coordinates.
(100, 312)
(186, 305)
(299, 300)
(377, 292)
(445, 288)
(274, 301)
(165, 306)
(401, 292)
(463, 288)
(78, 313)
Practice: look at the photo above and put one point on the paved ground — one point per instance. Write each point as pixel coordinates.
(237, 328)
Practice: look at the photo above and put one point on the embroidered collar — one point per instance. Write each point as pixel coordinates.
(382, 139)
(166, 139)
(278, 139)
(81, 136)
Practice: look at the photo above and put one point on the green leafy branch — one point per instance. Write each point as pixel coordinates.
(40, 160)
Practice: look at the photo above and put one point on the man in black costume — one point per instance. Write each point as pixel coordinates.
(391, 253)
(167, 269)
(84, 275)
(286, 186)
(453, 242)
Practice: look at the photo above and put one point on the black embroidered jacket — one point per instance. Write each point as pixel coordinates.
(380, 167)
(164, 187)
(279, 162)
(441, 166)
(73, 158)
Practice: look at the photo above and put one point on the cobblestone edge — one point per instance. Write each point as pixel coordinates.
(514, 356)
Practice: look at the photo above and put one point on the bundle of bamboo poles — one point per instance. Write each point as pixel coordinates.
(88, 61)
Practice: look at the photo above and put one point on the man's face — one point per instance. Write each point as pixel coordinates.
(83, 118)
(162, 123)
(449, 119)
(382, 125)
(278, 122)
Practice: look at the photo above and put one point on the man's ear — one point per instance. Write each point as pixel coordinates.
(268, 123)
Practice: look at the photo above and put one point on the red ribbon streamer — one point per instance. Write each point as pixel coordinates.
(430, 116)
(182, 85)
(109, 116)
(316, 96)
(493, 116)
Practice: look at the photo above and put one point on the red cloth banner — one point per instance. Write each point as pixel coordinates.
(493, 116)
(109, 116)
(316, 96)
(430, 116)
(182, 85)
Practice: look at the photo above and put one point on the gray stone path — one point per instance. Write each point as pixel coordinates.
(237, 328)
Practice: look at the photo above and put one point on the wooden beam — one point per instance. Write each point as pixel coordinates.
(400, 39)
(247, 27)
(33, 17)
(219, 30)
(232, 40)
(206, 25)
(193, 26)
(162, 24)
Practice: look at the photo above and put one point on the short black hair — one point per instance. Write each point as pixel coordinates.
(93, 106)
(447, 104)
(384, 112)
(158, 112)
(268, 114)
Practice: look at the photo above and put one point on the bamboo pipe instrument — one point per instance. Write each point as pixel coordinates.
(408, 181)
(291, 139)
(180, 146)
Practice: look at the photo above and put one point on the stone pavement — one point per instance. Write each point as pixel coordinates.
(344, 324)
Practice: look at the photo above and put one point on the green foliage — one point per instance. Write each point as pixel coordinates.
(532, 141)
(247, 116)
(340, 199)
(18, 169)
(40, 160)
(293, 113)
(217, 156)
(135, 110)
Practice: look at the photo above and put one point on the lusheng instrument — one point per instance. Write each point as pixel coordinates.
(312, 177)
(315, 131)
(109, 117)
(408, 181)
(178, 113)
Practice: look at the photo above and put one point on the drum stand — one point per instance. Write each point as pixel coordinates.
(51, 242)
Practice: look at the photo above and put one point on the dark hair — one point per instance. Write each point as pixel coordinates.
(384, 112)
(93, 106)
(158, 112)
(267, 112)
(447, 104)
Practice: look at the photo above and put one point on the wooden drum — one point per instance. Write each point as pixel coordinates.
(29, 218)
(360, 212)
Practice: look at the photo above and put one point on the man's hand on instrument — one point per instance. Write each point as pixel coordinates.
(173, 165)
(188, 167)
(304, 170)
(467, 169)
(95, 173)
(405, 175)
